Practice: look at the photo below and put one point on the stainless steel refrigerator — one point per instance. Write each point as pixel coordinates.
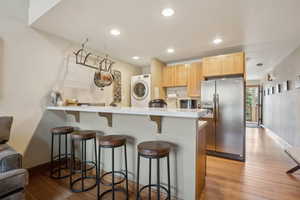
(225, 99)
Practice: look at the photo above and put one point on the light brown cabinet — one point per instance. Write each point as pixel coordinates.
(175, 76)
(188, 75)
(230, 64)
(181, 75)
(212, 66)
(194, 79)
(168, 77)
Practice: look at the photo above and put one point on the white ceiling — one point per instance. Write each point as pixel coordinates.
(268, 30)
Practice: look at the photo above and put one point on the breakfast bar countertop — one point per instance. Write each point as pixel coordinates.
(166, 112)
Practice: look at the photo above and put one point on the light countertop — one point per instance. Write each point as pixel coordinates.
(167, 112)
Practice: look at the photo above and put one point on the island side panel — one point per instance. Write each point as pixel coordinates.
(201, 158)
(181, 132)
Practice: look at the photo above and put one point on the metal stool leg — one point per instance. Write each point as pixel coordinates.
(150, 165)
(126, 172)
(169, 181)
(66, 150)
(82, 165)
(72, 162)
(99, 173)
(59, 155)
(138, 178)
(96, 161)
(52, 146)
(84, 154)
(113, 173)
(158, 180)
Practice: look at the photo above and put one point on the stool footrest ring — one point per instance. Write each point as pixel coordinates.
(155, 185)
(85, 189)
(116, 183)
(110, 190)
(78, 171)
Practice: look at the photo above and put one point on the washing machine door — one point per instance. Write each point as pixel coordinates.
(140, 90)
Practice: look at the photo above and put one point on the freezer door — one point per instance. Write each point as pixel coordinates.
(230, 122)
(208, 90)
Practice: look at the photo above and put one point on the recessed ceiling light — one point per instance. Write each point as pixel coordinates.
(115, 32)
(167, 12)
(170, 50)
(217, 41)
(135, 58)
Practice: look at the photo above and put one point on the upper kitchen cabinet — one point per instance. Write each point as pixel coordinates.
(168, 77)
(230, 64)
(233, 64)
(194, 79)
(175, 76)
(181, 75)
(212, 66)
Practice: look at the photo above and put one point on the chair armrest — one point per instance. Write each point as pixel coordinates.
(9, 160)
(14, 180)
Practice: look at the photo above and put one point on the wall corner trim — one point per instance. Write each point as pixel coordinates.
(281, 142)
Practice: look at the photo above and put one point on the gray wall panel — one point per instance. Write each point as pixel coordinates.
(282, 110)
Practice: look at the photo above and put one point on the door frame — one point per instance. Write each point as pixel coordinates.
(259, 103)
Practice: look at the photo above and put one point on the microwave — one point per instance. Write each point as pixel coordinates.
(188, 103)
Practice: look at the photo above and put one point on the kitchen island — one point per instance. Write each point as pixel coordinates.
(180, 127)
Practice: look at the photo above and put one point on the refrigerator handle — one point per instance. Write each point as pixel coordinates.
(217, 107)
(214, 106)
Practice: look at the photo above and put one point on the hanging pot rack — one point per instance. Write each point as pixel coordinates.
(83, 56)
(103, 76)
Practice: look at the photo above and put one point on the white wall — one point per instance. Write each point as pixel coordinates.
(146, 70)
(31, 64)
(37, 8)
(281, 111)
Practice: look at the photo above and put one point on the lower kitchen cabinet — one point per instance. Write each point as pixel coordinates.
(210, 134)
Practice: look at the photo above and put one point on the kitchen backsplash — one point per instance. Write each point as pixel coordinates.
(180, 92)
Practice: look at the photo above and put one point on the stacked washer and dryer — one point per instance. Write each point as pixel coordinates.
(140, 90)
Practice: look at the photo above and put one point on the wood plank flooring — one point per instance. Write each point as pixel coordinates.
(262, 177)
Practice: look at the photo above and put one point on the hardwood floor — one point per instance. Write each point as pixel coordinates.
(262, 177)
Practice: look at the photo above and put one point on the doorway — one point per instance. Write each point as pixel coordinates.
(253, 106)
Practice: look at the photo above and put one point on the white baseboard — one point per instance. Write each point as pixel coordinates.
(282, 143)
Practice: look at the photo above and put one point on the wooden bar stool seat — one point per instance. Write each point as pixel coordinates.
(83, 135)
(154, 150)
(62, 130)
(112, 141)
(57, 161)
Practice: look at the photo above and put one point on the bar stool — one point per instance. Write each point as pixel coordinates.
(154, 150)
(56, 171)
(112, 142)
(82, 136)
